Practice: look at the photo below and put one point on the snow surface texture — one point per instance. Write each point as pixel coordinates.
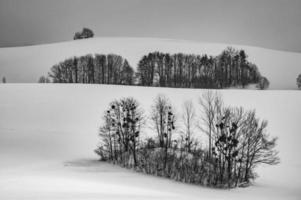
(48, 133)
(27, 64)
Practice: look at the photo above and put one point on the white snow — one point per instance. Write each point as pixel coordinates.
(48, 133)
(27, 64)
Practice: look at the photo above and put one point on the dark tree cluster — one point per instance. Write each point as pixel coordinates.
(85, 33)
(238, 142)
(299, 81)
(230, 68)
(101, 69)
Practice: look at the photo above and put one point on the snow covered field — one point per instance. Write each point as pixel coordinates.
(281, 68)
(48, 133)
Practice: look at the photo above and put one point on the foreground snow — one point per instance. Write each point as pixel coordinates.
(27, 64)
(48, 134)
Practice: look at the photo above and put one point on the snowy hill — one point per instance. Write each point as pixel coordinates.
(27, 64)
(48, 133)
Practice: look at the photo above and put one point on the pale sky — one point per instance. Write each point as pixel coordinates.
(267, 23)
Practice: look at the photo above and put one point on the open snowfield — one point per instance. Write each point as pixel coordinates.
(27, 64)
(48, 133)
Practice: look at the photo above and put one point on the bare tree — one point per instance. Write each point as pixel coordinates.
(159, 115)
(226, 148)
(189, 122)
(163, 119)
(258, 147)
(107, 147)
(242, 145)
(123, 122)
(211, 110)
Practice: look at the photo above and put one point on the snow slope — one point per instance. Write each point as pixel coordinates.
(27, 64)
(48, 133)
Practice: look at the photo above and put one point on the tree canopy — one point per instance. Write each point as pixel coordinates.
(85, 33)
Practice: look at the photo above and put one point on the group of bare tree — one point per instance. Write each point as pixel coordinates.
(101, 69)
(229, 69)
(237, 141)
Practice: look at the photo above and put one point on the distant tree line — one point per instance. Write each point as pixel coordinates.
(229, 69)
(101, 69)
(237, 141)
